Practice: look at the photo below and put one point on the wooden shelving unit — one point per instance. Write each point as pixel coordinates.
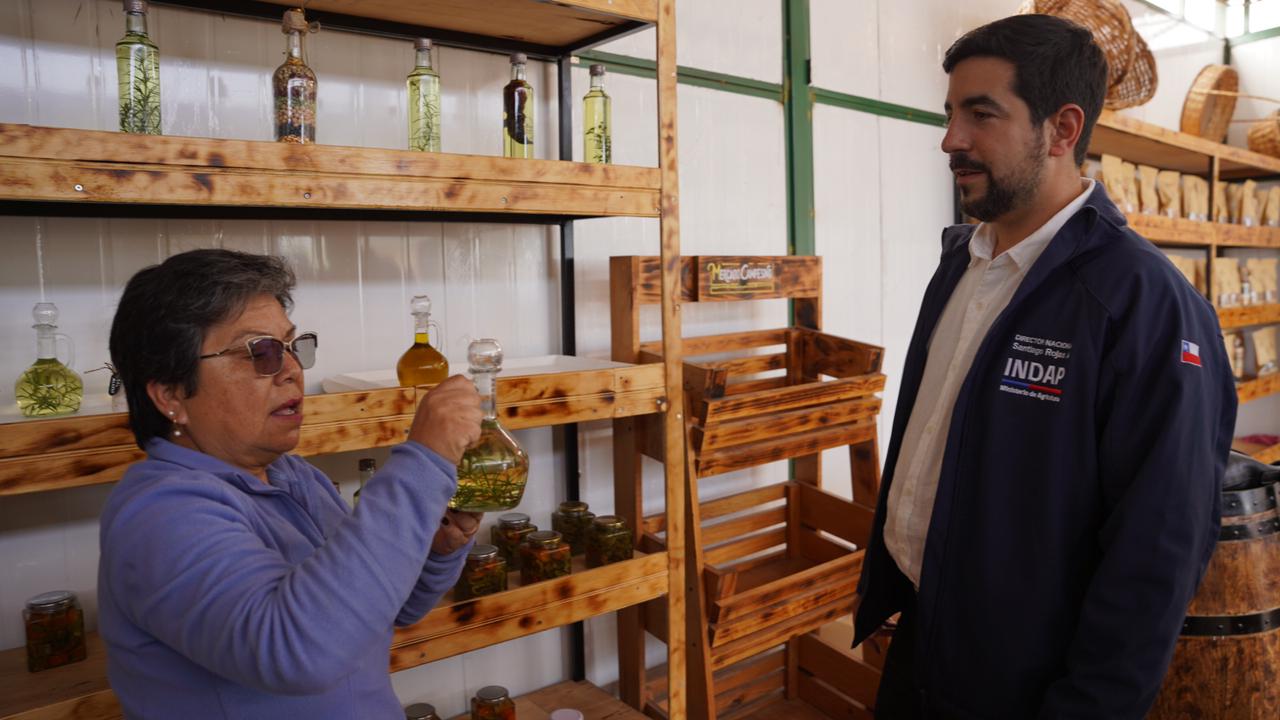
(1147, 144)
(65, 171)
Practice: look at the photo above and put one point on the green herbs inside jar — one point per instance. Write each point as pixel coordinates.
(609, 541)
(573, 520)
(544, 556)
(483, 573)
(509, 534)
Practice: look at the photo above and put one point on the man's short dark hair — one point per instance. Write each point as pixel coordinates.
(166, 310)
(1055, 62)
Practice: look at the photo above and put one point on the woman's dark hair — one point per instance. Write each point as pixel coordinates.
(1055, 62)
(166, 310)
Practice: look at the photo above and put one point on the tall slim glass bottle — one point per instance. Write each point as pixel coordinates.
(48, 387)
(493, 471)
(138, 73)
(517, 112)
(422, 364)
(293, 86)
(597, 119)
(424, 100)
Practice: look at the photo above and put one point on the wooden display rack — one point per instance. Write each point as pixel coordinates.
(48, 171)
(769, 564)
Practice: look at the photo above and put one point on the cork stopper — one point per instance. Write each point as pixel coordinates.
(295, 20)
(135, 7)
(519, 59)
(597, 70)
(422, 44)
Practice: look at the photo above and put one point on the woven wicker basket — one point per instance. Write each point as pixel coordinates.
(1264, 136)
(1207, 111)
(1131, 68)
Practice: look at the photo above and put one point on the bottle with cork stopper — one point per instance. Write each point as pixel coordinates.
(293, 85)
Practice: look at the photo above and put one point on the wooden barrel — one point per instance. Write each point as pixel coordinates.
(1228, 657)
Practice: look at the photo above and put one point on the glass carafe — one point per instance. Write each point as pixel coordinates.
(493, 471)
(138, 73)
(49, 387)
(293, 86)
(422, 364)
(424, 100)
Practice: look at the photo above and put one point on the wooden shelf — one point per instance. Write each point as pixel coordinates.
(1239, 236)
(457, 627)
(591, 701)
(1148, 144)
(81, 691)
(77, 167)
(1239, 317)
(1194, 233)
(1258, 388)
(40, 455)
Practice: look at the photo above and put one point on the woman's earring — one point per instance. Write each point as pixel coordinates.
(176, 431)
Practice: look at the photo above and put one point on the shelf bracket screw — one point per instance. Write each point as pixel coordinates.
(306, 196)
(79, 187)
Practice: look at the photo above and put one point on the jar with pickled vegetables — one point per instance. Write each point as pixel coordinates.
(573, 521)
(509, 534)
(544, 556)
(609, 541)
(55, 630)
(483, 573)
(492, 702)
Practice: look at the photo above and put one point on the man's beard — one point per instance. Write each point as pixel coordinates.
(1010, 192)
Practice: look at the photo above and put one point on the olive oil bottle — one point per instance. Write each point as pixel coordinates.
(48, 387)
(422, 364)
(517, 112)
(493, 471)
(424, 100)
(597, 118)
(138, 73)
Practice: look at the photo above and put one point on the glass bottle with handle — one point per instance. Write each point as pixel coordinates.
(424, 100)
(597, 119)
(422, 364)
(493, 471)
(138, 73)
(49, 387)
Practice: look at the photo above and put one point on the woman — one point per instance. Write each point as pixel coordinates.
(234, 582)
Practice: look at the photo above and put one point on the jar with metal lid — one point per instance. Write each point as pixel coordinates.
(544, 556)
(493, 703)
(509, 534)
(55, 630)
(421, 711)
(483, 573)
(609, 541)
(573, 521)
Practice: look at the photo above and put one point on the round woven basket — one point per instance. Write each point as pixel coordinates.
(1206, 111)
(1131, 68)
(1264, 136)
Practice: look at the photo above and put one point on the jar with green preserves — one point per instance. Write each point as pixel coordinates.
(509, 534)
(492, 702)
(609, 541)
(544, 556)
(483, 573)
(55, 630)
(573, 521)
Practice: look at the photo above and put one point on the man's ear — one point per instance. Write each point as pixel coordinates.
(1064, 129)
(170, 400)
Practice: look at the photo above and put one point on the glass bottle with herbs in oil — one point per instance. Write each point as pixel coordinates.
(422, 364)
(517, 112)
(493, 471)
(293, 86)
(424, 100)
(48, 387)
(597, 119)
(138, 73)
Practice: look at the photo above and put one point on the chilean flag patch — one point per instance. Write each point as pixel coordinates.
(1190, 353)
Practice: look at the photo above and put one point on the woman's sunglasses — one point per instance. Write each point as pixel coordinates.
(267, 352)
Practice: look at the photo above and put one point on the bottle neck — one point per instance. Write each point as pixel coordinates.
(46, 344)
(423, 59)
(517, 71)
(484, 382)
(597, 82)
(421, 329)
(135, 23)
(295, 46)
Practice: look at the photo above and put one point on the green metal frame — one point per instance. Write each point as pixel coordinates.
(1267, 34)
(798, 111)
(638, 67)
(878, 107)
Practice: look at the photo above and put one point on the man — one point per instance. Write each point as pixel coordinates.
(1052, 489)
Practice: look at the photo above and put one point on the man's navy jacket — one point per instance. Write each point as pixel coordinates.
(1078, 502)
